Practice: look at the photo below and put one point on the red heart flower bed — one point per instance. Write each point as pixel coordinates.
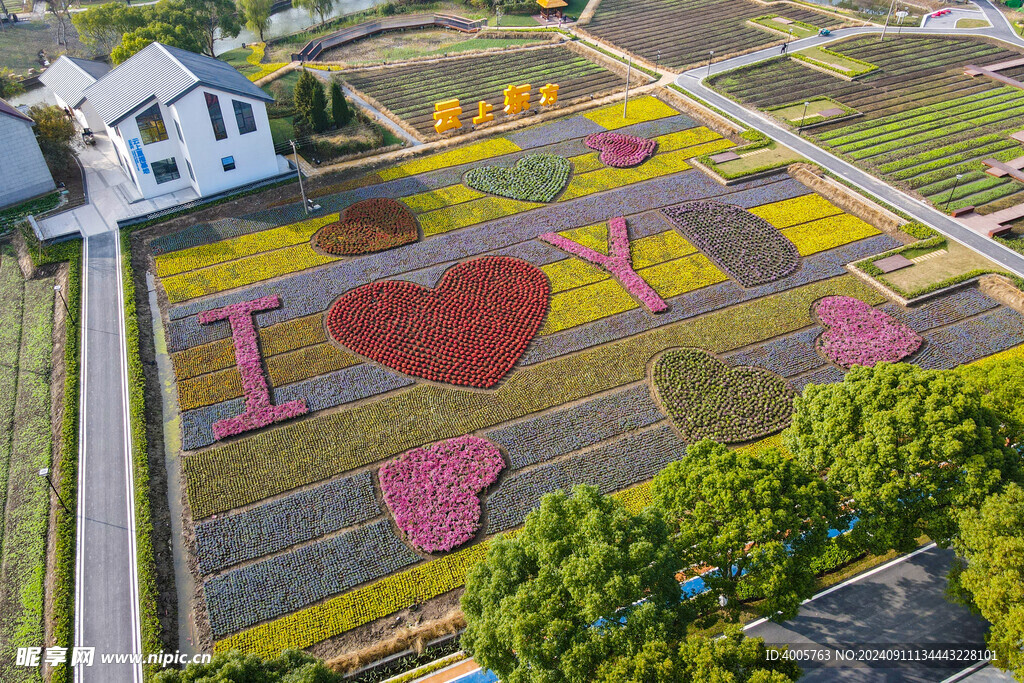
(368, 226)
(469, 330)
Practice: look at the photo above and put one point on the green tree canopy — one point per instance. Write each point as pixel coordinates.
(732, 658)
(991, 541)
(102, 26)
(255, 14)
(54, 131)
(340, 112)
(212, 18)
(906, 446)
(10, 84)
(292, 666)
(319, 7)
(545, 604)
(188, 24)
(756, 518)
(1001, 383)
(319, 120)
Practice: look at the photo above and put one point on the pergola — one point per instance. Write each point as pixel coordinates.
(551, 8)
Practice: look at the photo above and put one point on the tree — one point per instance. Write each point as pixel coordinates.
(991, 543)
(61, 10)
(10, 84)
(321, 7)
(256, 14)
(732, 658)
(547, 604)
(311, 102)
(318, 118)
(292, 666)
(54, 132)
(905, 446)
(1001, 383)
(101, 27)
(213, 19)
(340, 112)
(756, 518)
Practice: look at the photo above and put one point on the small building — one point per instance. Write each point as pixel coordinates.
(551, 9)
(177, 119)
(68, 77)
(23, 171)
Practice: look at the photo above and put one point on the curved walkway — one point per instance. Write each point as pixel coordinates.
(693, 83)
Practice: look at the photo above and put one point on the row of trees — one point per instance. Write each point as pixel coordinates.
(310, 100)
(908, 451)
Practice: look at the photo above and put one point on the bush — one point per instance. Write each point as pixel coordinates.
(918, 230)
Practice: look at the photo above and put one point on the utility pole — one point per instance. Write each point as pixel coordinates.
(629, 69)
(711, 56)
(45, 473)
(891, 5)
(298, 171)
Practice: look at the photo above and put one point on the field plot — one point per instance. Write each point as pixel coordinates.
(924, 121)
(684, 31)
(500, 353)
(26, 330)
(410, 91)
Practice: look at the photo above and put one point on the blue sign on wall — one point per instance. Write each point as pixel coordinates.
(135, 147)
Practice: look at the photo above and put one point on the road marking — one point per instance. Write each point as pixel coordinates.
(136, 617)
(959, 675)
(80, 521)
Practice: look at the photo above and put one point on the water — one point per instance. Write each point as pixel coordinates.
(292, 20)
(33, 96)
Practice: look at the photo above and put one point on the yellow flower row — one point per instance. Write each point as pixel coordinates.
(266, 70)
(440, 198)
(256, 55)
(828, 233)
(788, 212)
(639, 110)
(463, 215)
(477, 151)
(206, 255)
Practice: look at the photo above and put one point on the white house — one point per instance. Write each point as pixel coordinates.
(68, 77)
(178, 120)
(23, 171)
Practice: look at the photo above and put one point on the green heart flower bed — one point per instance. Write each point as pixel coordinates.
(707, 398)
(534, 178)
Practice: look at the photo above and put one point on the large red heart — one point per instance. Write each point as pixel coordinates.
(469, 330)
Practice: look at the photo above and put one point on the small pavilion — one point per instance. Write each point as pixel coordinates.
(551, 9)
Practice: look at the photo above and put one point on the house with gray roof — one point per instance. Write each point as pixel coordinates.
(176, 119)
(23, 171)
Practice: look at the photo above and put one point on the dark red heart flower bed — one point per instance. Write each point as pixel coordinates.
(368, 226)
(469, 330)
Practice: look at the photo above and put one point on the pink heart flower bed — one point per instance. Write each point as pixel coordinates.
(857, 334)
(433, 491)
(621, 150)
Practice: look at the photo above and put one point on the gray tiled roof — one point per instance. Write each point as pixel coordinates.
(69, 77)
(11, 111)
(163, 73)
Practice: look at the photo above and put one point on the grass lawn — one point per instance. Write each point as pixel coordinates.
(393, 47)
(21, 42)
(798, 29)
(282, 129)
(829, 59)
(795, 113)
(972, 23)
(956, 261)
(772, 156)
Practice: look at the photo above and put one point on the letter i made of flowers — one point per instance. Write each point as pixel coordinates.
(259, 412)
(617, 262)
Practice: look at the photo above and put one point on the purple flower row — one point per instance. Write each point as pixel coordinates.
(829, 374)
(433, 491)
(746, 246)
(786, 356)
(319, 393)
(630, 460)
(290, 581)
(313, 291)
(975, 338)
(554, 132)
(279, 524)
(570, 429)
(858, 334)
(953, 307)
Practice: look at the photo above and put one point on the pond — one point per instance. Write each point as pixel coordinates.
(292, 20)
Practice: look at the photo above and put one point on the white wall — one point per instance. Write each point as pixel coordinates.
(253, 152)
(154, 151)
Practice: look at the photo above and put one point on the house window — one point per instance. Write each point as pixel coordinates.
(228, 163)
(165, 170)
(151, 125)
(220, 131)
(177, 129)
(244, 117)
(190, 173)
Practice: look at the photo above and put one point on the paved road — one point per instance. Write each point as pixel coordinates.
(692, 82)
(903, 604)
(106, 577)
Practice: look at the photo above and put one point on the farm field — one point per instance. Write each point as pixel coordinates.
(485, 319)
(410, 91)
(26, 330)
(684, 31)
(923, 121)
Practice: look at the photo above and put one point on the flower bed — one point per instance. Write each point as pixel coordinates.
(858, 334)
(433, 492)
(744, 245)
(298, 578)
(971, 339)
(469, 330)
(708, 399)
(786, 356)
(534, 178)
(828, 233)
(477, 151)
(953, 307)
(619, 150)
(790, 212)
(368, 226)
(281, 523)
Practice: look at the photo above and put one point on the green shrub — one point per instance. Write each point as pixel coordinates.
(918, 230)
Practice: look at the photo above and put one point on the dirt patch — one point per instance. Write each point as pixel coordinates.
(412, 637)
(1003, 291)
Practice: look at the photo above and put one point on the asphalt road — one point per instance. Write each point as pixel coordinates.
(106, 582)
(901, 605)
(692, 82)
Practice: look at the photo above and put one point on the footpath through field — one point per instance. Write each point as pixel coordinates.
(693, 82)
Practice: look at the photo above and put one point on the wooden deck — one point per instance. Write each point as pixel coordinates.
(312, 50)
